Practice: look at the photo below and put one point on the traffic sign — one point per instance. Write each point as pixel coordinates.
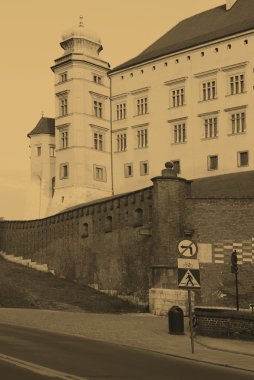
(188, 274)
(187, 248)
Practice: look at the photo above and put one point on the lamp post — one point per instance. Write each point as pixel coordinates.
(234, 269)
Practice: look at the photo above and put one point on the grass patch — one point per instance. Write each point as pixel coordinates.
(23, 287)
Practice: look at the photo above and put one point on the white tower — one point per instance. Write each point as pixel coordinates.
(83, 139)
(41, 189)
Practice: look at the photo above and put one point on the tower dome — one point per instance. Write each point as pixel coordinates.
(80, 39)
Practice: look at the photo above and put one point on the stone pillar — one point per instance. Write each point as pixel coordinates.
(169, 194)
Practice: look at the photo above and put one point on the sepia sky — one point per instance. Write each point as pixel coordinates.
(30, 32)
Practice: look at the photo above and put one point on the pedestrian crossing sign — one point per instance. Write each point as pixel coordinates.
(188, 278)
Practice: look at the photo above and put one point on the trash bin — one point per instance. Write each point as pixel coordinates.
(175, 321)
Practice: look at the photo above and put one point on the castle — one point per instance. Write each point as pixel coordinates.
(186, 98)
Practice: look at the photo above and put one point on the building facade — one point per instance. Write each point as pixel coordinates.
(186, 98)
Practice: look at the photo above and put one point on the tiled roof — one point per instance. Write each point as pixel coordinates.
(234, 185)
(204, 27)
(45, 126)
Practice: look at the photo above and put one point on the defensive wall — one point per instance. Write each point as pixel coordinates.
(126, 244)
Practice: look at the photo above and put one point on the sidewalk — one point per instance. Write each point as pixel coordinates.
(143, 331)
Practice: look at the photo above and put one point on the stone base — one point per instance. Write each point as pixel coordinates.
(161, 300)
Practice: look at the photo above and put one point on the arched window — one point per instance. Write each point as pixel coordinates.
(108, 224)
(85, 230)
(53, 184)
(138, 217)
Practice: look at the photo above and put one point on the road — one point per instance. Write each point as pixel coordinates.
(29, 354)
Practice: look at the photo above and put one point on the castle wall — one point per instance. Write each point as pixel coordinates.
(127, 244)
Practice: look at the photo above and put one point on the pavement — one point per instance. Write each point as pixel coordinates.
(144, 331)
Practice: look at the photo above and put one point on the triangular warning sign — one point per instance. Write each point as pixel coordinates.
(189, 281)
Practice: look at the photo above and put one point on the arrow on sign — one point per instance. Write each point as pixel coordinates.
(185, 247)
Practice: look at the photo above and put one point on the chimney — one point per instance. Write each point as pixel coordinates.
(230, 4)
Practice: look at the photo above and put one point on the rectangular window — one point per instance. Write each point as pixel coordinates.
(52, 151)
(64, 171)
(179, 133)
(238, 124)
(212, 162)
(209, 90)
(211, 128)
(177, 97)
(121, 142)
(97, 108)
(142, 106)
(64, 143)
(142, 138)
(128, 170)
(99, 173)
(121, 111)
(176, 167)
(144, 167)
(97, 79)
(243, 159)
(63, 102)
(38, 151)
(237, 84)
(98, 141)
(63, 77)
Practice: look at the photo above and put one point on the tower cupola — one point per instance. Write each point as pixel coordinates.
(81, 40)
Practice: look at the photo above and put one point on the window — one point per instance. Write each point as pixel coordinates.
(38, 151)
(142, 106)
(236, 84)
(238, 124)
(85, 230)
(121, 142)
(177, 97)
(229, 46)
(138, 222)
(179, 133)
(128, 170)
(52, 151)
(243, 158)
(98, 141)
(209, 90)
(212, 162)
(100, 173)
(64, 142)
(142, 138)
(97, 108)
(121, 111)
(63, 77)
(210, 128)
(144, 168)
(97, 79)
(108, 224)
(63, 105)
(64, 171)
(53, 185)
(176, 167)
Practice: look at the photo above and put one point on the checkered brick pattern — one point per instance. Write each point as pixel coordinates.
(222, 251)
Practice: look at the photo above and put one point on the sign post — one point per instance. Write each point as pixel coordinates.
(188, 275)
(234, 269)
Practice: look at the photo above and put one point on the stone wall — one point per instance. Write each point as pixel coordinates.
(225, 323)
(127, 244)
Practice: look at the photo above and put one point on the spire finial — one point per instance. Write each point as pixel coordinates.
(81, 23)
(42, 113)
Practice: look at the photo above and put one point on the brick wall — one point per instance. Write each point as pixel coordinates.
(225, 323)
(127, 244)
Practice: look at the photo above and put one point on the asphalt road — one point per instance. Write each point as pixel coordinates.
(32, 354)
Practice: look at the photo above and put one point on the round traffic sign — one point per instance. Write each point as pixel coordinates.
(187, 248)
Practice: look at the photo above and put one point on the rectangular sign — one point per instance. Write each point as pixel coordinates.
(188, 263)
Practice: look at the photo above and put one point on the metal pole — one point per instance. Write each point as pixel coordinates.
(191, 322)
(236, 291)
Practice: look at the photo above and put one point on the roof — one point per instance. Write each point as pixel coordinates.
(234, 185)
(202, 28)
(45, 126)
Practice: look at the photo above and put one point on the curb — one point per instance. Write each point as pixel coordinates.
(222, 349)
